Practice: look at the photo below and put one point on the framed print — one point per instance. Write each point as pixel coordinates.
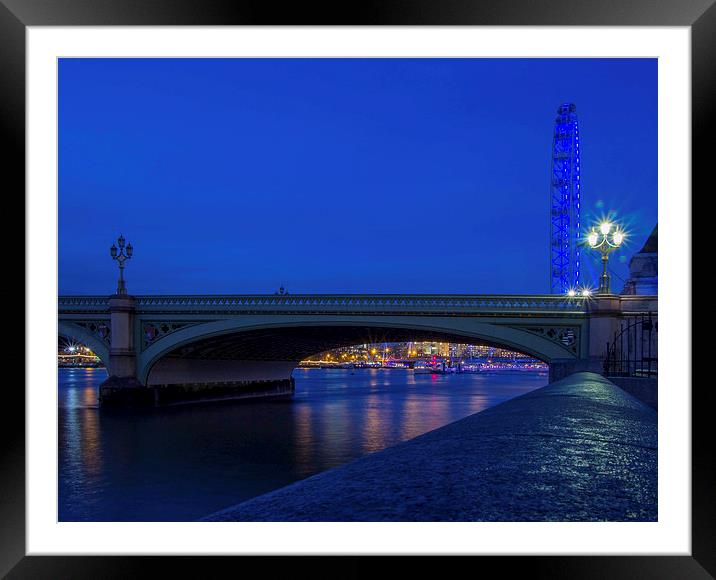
(377, 282)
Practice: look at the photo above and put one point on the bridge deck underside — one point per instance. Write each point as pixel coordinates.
(301, 342)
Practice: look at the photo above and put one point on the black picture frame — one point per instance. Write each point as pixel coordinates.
(16, 15)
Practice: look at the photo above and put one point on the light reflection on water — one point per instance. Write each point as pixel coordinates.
(181, 463)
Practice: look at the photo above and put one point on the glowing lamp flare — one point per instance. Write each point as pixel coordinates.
(605, 238)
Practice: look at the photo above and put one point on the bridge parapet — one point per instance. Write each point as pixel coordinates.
(635, 304)
(78, 304)
(334, 303)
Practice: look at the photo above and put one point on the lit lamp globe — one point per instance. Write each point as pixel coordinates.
(606, 238)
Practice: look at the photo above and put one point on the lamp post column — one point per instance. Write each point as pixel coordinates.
(604, 282)
(122, 354)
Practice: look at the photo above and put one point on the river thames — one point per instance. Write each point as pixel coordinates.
(182, 463)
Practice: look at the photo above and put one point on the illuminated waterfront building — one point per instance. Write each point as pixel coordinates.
(386, 351)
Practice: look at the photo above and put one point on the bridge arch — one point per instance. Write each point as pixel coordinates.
(78, 333)
(276, 344)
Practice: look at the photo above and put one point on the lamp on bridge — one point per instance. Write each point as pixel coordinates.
(605, 239)
(121, 255)
(584, 292)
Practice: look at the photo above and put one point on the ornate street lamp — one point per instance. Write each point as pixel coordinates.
(121, 255)
(605, 239)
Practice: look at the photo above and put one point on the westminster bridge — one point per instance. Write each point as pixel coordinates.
(175, 348)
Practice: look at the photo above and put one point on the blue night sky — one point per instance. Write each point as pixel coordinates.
(341, 175)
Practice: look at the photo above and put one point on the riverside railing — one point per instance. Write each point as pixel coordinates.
(633, 352)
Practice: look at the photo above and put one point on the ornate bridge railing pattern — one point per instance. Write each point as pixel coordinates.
(83, 303)
(340, 304)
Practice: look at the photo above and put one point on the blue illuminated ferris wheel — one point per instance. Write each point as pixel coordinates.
(565, 202)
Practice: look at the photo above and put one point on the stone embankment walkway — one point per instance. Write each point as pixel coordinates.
(580, 449)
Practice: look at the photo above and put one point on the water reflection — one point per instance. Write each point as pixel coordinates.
(181, 463)
(373, 437)
(411, 417)
(334, 434)
(303, 440)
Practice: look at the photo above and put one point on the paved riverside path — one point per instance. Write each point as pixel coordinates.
(580, 449)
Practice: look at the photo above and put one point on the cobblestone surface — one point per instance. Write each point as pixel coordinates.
(580, 449)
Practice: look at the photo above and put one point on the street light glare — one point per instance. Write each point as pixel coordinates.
(604, 244)
(571, 292)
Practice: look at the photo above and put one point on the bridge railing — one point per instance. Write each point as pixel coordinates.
(83, 303)
(335, 303)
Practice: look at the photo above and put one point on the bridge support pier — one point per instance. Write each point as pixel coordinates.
(604, 315)
(122, 355)
(562, 368)
(176, 381)
(122, 387)
(604, 312)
